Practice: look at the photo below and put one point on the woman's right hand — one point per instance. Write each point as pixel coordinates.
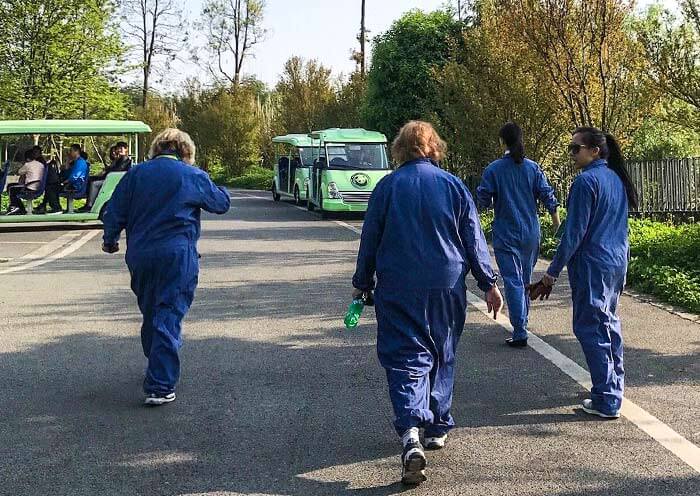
(494, 301)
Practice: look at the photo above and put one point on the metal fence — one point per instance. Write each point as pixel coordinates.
(665, 187)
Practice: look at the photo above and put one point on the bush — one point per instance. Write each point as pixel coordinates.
(254, 178)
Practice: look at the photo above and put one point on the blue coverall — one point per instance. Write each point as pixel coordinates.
(513, 190)
(421, 236)
(158, 203)
(595, 249)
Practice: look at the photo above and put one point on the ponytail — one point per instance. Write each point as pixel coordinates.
(512, 136)
(617, 163)
(610, 150)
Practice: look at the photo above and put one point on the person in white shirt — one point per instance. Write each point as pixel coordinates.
(30, 177)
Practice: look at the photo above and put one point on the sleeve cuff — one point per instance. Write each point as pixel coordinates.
(552, 271)
(486, 286)
(362, 285)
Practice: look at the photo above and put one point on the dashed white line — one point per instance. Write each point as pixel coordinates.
(48, 253)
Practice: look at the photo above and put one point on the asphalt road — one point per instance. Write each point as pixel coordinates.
(277, 398)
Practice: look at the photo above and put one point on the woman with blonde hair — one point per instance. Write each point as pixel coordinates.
(421, 236)
(159, 203)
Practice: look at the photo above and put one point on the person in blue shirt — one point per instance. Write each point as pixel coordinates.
(159, 204)
(595, 249)
(73, 178)
(513, 185)
(421, 236)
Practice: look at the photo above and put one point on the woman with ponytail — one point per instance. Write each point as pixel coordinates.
(594, 247)
(513, 185)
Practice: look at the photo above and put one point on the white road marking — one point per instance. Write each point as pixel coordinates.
(21, 242)
(50, 247)
(657, 430)
(43, 256)
(662, 433)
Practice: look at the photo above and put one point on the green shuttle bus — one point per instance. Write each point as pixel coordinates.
(294, 153)
(56, 130)
(347, 165)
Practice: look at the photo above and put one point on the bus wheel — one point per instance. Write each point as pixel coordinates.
(309, 204)
(297, 199)
(275, 194)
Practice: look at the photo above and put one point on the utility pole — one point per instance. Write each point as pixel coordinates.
(459, 10)
(363, 40)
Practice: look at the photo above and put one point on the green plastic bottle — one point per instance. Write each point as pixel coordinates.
(352, 317)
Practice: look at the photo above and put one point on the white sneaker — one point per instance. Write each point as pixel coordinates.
(413, 464)
(435, 443)
(159, 399)
(587, 407)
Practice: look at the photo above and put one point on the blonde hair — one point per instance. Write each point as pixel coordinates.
(174, 140)
(418, 139)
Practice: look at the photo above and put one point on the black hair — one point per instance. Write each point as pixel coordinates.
(38, 154)
(512, 136)
(610, 150)
(121, 144)
(76, 147)
(28, 155)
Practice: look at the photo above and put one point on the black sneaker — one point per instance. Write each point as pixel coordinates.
(16, 211)
(516, 343)
(156, 399)
(84, 209)
(39, 210)
(413, 464)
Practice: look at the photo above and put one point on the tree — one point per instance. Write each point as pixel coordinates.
(225, 125)
(401, 82)
(233, 28)
(588, 54)
(306, 94)
(673, 49)
(56, 59)
(156, 33)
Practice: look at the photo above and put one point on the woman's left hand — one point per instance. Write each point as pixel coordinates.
(357, 293)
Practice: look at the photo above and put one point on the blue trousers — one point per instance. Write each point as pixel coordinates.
(595, 292)
(417, 335)
(515, 266)
(164, 282)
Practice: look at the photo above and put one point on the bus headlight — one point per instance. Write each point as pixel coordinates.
(334, 192)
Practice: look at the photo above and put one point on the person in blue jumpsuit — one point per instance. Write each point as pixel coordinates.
(512, 185)
(421, 236)
(594, 247)
(159, 203)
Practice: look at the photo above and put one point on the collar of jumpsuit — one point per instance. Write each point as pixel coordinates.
(601, 162)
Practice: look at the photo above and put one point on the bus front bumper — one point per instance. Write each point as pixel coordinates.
(340, 206)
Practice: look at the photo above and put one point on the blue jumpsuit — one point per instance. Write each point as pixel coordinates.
(159, 204)
(513, 190)
(595, 249)
(421, 236)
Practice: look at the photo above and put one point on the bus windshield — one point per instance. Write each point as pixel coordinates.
(357, 156)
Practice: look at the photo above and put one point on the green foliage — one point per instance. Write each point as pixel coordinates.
(661, 136)
(56, 59)
(226, 126)
(305, 91)
(672, 47)
(254, 178)
(401, 83)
